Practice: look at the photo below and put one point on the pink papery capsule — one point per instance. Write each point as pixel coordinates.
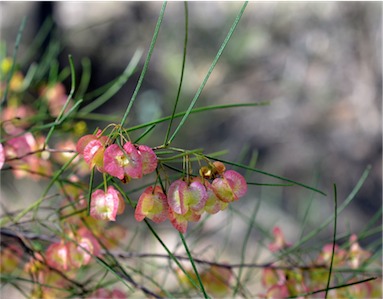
(93, 154)
(22, 153)
(357, 255)
(10, 258)
(149, 159)
(105, 206)
(183, 197)
(56, 98)
(279, 240)
(230, 187)
(16, 118)
(103, 293)
(2, 156)
(278, 291)
(57, 256)
(180, 222)
(213, 203)
(152, 204)
(84, 247)
(326, 254)
(123, 162)
(84, 140)
(20, 146)
(92, 148)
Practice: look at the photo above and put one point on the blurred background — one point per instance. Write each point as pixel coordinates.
(318, 64)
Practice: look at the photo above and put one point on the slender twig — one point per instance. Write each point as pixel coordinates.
(270, 265)
(49, 150)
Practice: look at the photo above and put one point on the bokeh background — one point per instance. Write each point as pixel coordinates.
(318, 64)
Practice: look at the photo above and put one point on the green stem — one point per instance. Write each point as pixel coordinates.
(326, 222)
(105, 182)
(193, 265)
(59, 117)
(90, 190)
(115, 87)
(219, 53)
(244, 246)
(182, 73)
(36, 204)
(171, 255)
(196, 110)
(146, 64)
(268, 174)
(334, 239)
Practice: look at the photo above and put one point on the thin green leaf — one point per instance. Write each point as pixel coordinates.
(199, 91)
(38, 40)
(96, 116)
(12, 70)
(171, 255)
(193, 265)
(306, 215)
(269, 184)
(53, 72)
(270, 175)
(326, 222)
(44, 66)
(37, 203)
(90, 189)
(29, 76)
(147, 131)
(197, 110)
(244, 245)
(333, 242)
(112, 90)
(85, 78)
(60, 116)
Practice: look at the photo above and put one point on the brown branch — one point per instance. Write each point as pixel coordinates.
(334, 287)
(270, 265)
(50, 150)
(129, 255)
(24, 238)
